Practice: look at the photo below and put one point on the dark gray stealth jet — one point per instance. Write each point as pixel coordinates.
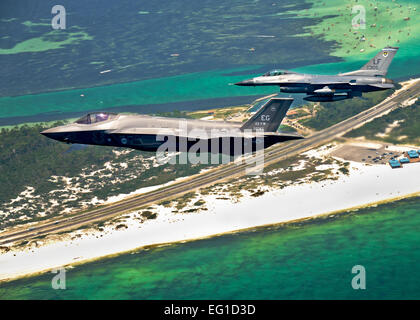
(371, 77)
(149, 133)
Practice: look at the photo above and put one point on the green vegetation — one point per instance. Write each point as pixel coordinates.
(28, 158)
(41, 177)
(174, 114)
(219, 113)
(344, 170)
(183, 201)
(166, 203)
(285, 128)
(257, 193)
(405, 132)
(199, 203)
(294, 170)
(301, 112)
(180, 203)
(331, 113)
(148, 214)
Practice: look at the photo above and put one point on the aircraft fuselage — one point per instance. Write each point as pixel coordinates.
(147, 133)
(371, 77)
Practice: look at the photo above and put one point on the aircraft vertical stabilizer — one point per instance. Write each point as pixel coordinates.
(381, 61)
(269, 116)
(378, 65)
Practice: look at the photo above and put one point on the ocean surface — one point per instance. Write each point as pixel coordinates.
(151, 57)
(144, 57)
(107, 41)
(311, 260)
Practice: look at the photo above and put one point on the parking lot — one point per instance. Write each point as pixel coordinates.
(373, 154)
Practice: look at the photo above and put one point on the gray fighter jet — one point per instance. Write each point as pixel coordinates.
(149, 133)
(371, 77)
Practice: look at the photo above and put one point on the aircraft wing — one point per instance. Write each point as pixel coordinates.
(163, 131)
(319, 84)
(190, 133)
(203, 134)
(323, 81)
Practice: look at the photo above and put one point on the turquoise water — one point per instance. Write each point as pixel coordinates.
(184, 88)
(174, 52)
(404, 64)
(173, 38)
(194, 86)
(300, 261)
(176, 89)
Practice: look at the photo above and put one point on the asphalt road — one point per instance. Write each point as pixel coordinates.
(222, 173)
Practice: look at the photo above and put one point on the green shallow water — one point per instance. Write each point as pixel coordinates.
(403, 66)
(193, 86)
(184, 88)
(215, 45)
(300, 261)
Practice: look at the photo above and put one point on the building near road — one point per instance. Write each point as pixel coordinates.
(404, 160)
(412, 154)
(394, 163)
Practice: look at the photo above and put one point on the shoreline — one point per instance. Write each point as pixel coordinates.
(323, 198)
(341, 212)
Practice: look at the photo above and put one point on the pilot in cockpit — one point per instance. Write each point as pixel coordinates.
(96, 117)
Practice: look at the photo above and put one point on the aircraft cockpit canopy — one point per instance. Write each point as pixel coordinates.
(96, 117)
(274, 73)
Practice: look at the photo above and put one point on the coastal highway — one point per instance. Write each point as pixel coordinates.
(222, 173)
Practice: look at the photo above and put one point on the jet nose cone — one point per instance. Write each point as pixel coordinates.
(48, 132)
(249, 82)
(52, 133)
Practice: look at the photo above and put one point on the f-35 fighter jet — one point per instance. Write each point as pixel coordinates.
(149, 133)
(371, 77)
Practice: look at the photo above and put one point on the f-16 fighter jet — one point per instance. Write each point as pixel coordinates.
(371, 77)
(149, 133)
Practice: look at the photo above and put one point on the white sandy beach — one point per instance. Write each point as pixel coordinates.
(366, 184)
